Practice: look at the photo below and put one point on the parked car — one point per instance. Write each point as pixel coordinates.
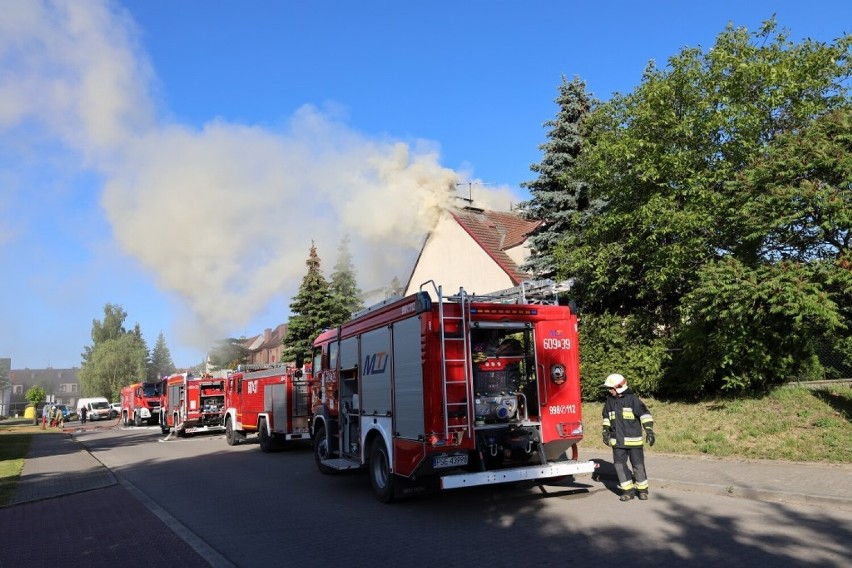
(97, 408)
(115, 409)
(65, 410)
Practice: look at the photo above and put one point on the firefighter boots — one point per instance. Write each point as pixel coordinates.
(643, 495)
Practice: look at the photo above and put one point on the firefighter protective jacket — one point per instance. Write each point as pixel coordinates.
(625, 416)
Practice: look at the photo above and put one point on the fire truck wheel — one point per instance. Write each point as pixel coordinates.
(265, 438)
(381, 477)
(321, 451)
(124, 416)
(137, 420)
(230, 435)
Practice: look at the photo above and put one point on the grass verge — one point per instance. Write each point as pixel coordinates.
(788, 424)
(13, 449)
(15, 436)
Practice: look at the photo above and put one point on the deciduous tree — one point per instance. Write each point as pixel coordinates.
(116, 358)
(35, 395)
(726, 193)
(113, 364)
(228, 354)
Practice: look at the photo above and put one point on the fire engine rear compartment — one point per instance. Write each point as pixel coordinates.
(288, 412)
(508, 444)
(455, 398)
(193, 404)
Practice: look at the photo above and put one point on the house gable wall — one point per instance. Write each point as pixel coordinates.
(452, 258)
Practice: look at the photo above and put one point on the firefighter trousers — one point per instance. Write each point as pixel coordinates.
(628, 481)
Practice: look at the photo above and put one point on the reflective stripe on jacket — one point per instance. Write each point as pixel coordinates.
(625, 416)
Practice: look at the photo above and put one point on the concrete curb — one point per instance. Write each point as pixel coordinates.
(754, 494)
(738, 491)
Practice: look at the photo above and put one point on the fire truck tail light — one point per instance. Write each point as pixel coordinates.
(436, 440)
(569, 429)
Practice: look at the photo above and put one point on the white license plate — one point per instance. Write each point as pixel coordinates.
(449, 461)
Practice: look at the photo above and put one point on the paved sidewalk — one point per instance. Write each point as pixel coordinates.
(70, 510)
(763, 480)
(57, 465)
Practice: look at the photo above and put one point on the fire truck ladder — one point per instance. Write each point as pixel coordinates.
(464, 426)
(528, 292)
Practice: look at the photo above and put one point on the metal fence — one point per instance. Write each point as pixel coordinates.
(835, 363)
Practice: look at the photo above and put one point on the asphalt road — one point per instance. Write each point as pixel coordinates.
(247, 508)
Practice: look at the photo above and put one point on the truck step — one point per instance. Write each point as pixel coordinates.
(341, 463)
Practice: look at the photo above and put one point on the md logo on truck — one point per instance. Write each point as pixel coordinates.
(376, 364)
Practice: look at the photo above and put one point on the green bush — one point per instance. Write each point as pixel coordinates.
(614, 344)
(750, 328)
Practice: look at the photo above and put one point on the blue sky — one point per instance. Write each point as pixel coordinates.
(178, 158)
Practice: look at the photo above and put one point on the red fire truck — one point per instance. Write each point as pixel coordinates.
(450, 392)
(140, 401)
(271, 401)
(190, 403)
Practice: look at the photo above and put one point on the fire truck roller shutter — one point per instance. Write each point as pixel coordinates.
(408, 379)
(376, 372)
(349, 353)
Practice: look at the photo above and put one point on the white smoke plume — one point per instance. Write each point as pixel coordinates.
(222, 214)
(225, 215)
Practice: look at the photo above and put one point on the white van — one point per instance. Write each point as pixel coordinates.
(97, 408)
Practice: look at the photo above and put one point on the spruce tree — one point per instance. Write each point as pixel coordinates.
(312, 310)
(558, 197)
(161, 360)
(344, 284)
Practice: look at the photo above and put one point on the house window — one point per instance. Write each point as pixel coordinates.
(17, 389)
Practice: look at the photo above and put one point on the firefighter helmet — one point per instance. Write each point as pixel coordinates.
(617, 382)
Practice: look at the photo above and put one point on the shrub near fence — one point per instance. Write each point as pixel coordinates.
(834, 362)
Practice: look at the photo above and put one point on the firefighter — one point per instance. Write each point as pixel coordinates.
(624, 418)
